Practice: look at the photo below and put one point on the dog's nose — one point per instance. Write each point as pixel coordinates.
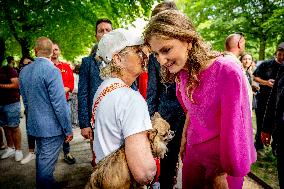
(170, 136)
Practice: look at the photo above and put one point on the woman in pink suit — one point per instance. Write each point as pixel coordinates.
(217, 138)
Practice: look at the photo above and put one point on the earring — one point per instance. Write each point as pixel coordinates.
(144, 66)
(189, 47)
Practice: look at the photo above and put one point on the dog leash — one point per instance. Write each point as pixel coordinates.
(158, 164)
(155, 182)
(106, 91)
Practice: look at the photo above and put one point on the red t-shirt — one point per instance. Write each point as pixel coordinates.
(67, 76)
(143, 84)
(8, 96)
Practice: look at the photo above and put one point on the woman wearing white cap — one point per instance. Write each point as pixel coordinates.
(120, 114)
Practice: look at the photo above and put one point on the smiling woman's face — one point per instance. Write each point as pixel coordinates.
(170, 53)
(246, 60)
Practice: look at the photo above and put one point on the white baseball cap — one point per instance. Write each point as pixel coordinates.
(116, 40)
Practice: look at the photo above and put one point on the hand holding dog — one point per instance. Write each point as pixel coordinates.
(120, 168)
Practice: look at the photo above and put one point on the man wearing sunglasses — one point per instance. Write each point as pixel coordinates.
(235, 45)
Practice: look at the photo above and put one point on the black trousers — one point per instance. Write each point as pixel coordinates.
(260, 112)
(280, 165)
(168, 164)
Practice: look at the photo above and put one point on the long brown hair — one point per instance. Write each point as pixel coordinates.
(173, 24)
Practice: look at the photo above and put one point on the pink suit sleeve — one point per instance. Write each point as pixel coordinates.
(237, 151)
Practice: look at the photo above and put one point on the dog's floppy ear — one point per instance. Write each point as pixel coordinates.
(156, 115)
(152, 134)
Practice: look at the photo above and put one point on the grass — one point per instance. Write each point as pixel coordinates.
(265, 166)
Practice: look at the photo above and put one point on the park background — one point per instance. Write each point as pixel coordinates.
(71, 23)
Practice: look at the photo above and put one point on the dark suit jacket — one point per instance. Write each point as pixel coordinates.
(89, 81)
(273, 122)
(161, 97)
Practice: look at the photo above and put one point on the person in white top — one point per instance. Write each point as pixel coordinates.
(120, 114)
(74, 99)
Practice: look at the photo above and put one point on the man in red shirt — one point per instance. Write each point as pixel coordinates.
(66, 71)
(68, 82)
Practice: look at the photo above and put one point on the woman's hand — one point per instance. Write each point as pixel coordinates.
(265, 138)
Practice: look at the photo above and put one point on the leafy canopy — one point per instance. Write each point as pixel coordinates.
(260, 20)
(71, 23)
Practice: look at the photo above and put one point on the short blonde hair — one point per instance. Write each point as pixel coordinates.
(111, 68)
(108, 70)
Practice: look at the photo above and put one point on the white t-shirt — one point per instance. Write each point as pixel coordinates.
(121, 113)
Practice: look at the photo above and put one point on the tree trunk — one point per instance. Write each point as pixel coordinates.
(262, 45)
(25, 46)
(2, 49)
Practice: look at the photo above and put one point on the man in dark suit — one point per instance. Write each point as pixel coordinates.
(89, 81)
(48, 113)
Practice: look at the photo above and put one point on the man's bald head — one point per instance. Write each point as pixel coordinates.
(43, 47)
(235, 43)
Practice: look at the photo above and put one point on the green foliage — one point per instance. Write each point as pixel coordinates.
(276, 20)
(71, 23)
(260, 20)
(265, 167)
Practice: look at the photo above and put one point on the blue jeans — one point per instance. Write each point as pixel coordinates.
(10, 115)
(46, 157)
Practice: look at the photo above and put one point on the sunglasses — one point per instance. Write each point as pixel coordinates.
(136, 50)
(241, 35)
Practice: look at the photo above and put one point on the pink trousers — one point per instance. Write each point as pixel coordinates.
(201, 163)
